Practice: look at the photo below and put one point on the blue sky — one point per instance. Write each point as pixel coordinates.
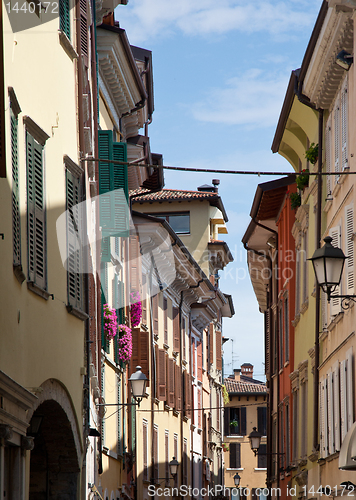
(221, 71)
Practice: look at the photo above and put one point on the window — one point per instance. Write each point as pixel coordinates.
(16, 215)
(262, 457)
(64, 17)
(155, 452)
(235, 455)
(74, 247)
(145, 449)
(235, 421)
(262, 420)
(113, 186)
(305, 266)
(280, 336)
(166, 453)
(36, 208)
(179, 222)
(295, 425)
(286, 330)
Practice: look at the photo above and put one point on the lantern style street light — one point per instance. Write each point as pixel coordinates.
(237, 479)
(173, 467)
(328, 263)
(255, 440)
(138, 382)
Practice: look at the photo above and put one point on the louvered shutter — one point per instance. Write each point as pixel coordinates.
(176, 337)
(324, 311)
(349, 386)
(155, 452)
(134, 252)
(145, 449)
(235, 455)
(321, 421)
(330, 408)
(155, 314)
(336, 393)
(140, 352)
(199, 409)
(36, 214)
(178, 388)
(344, 126)
(218, 350)
(104, 300)
(243, 420)
(267, 342)
(64, 17)
(200, 360)
(349, 263)
(337, 139)
(325, 404)
(113, 187)
(226, 421)
(335, 304)
(16, 216)
(211, 343)
(170, 380)
(187, 395)
(165, 319)
(84, 34)
(329, 181)
(343, 399)
(162, 376)
(144, 299)
(74, 247)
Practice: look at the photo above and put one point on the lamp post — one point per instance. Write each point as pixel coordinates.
(328, 264)
(173, 467)
(138, 381)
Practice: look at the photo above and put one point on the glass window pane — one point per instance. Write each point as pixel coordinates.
(179, 223)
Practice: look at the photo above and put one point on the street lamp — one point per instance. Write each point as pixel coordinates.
(255, 440)
(237, 479)
(138, 382)
(328, 263)
(173, 467)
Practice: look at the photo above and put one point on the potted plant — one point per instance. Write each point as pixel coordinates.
(295, 200)
(311, 154)
(110, 322)
(136, 309)
(124, 343)
(302, 180)
(234, 423)
(225, 446)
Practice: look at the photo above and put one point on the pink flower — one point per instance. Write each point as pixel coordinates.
(136, 309)
(124, 343)
(110, 321)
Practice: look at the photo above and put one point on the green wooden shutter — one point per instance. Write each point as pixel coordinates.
(64, 17)
(16, 216)
(36, 214)
(104, 300)
(74, 277)
(105, 250)
(114, 218)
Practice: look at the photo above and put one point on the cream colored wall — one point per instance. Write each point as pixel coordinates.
(197, 240)
(51, 340)
(250, 477)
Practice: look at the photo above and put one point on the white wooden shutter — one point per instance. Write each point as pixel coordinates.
(343, 403)
(349, 388)
(325, 420)
(344, 125)
(324, 311)
(337, 138)
(330, 398)
(335, 304)
(322, 419)
(336, 391)
(329, 181)
(349, 263)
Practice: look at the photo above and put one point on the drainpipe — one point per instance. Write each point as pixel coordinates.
(302, 98)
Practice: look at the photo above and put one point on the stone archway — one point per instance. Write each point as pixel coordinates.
(55, 458)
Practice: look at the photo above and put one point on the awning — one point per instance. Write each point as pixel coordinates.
(347, 456)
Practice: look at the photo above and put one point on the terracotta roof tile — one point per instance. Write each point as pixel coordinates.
(234, 386)
(170, 194)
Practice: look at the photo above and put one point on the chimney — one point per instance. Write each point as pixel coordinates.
(216, 182)
(247, 370)
(237, 372)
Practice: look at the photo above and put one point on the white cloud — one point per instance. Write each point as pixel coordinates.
(145, 19)
(253, 99)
